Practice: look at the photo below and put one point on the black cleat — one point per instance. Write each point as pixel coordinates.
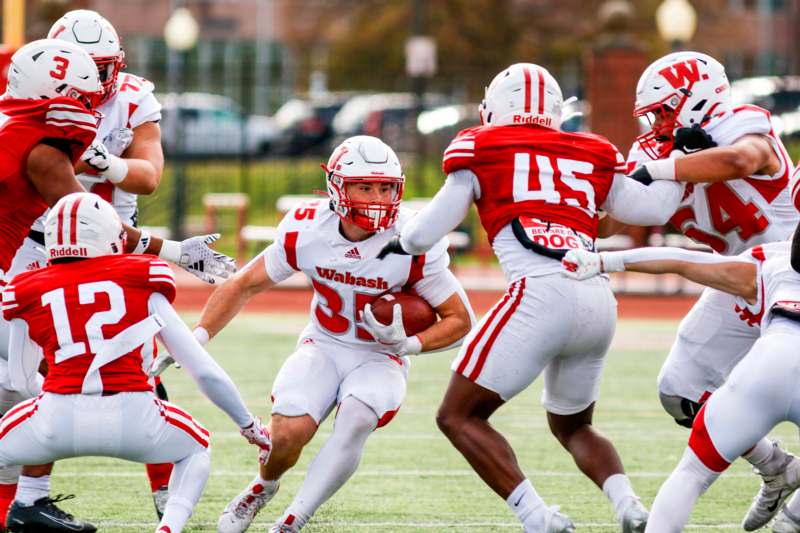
(44, 517)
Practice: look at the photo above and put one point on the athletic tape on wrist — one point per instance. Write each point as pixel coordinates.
(144, 242)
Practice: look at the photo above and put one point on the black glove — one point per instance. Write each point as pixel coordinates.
(642, 175)
(694, 139)
(392, 247)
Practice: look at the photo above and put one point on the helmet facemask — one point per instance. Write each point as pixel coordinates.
(109, 67)
(369, 216)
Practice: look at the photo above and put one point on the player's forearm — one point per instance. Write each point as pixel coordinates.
(142, 177)
(733, 275)
(717, 164)
(441, 216)
(630, 202)
(224, 304)
(211, 379)
(456, 322)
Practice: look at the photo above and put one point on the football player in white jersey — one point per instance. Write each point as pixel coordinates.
(344, 357)
(760, 392)
(125, 159)
(735, 174)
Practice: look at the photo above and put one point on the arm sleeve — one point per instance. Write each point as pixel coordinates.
(446, 211)
(209, 376)
(24, 358)
(633, 203)
(641, 255)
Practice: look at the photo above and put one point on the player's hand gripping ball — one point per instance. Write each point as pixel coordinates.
(418, 315)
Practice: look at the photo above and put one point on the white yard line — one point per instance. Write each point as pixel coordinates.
(412, 525)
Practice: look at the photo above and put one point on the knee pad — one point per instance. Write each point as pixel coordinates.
(682, 410)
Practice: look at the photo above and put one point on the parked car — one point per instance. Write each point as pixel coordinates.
(212, 125)
(390, 116)
(305, 125)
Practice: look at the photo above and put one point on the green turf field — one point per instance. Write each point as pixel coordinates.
(411, 479)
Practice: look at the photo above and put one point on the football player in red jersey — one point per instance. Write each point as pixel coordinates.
(46, 123)
(538, 191)
(94, 315)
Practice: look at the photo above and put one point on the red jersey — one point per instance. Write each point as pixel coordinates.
(75, 310)
(534, 171)
(23, 125)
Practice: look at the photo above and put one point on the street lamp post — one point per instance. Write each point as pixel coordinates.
(180, 34)
(676, 21)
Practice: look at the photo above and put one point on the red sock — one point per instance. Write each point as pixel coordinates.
(7, 493)
(158, 474)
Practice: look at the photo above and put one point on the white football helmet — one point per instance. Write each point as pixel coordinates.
(364, 159)
(690, 87)
(83, 225)
(523, 93)
(89, 30)
(48, 68)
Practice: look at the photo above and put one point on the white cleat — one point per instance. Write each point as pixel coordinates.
(634, 516)
(287, 525)
(774, 491)
(240, 512)
(555, 522)
(786, 523)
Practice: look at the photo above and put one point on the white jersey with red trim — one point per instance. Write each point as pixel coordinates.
(347, 275)
(776, 282)
(132, 105)
(734, 215)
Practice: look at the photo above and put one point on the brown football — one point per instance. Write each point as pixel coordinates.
(418, 315)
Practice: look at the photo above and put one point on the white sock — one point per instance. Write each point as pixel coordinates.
(677, 496)
(617, 489)
(30, 489)
(527, 505)
(336, 461)
(766, 456)
(186, 484)
(266, 485)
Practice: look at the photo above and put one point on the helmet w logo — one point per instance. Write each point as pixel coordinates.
(683, 74)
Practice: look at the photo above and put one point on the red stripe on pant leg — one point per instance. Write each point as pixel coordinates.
(527, 74)
(189, 431)
(541, 91)
(73, 222)
(171, 408)
(19, 407)
(496, 331)
(158, 475)
(477, 338)
(17, 422)
(703, 447)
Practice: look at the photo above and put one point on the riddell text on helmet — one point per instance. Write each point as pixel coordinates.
(64, 252)
(528, 119)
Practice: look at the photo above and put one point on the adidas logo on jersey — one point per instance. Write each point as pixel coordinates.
(353, 253)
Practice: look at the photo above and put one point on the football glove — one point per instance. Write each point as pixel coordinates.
(392, 247)
(257, 434)
(660, 169)
(118, 140)
(161, 363)
(392, 336)
(109, 166)
(195, 256)
(693, 139)
(642, 175)
(583, 264)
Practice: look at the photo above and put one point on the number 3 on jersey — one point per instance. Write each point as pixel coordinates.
(329, 314)
(557, 180)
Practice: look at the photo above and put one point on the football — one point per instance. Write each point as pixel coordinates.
(418, 315)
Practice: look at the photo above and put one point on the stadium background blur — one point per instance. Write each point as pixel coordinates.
(257, 92)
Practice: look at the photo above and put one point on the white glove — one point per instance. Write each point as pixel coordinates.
(194, 256)
(392, 336)
(118, 140)
(109, 166)
(256, 433)
(583, 264)
(161, 363)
